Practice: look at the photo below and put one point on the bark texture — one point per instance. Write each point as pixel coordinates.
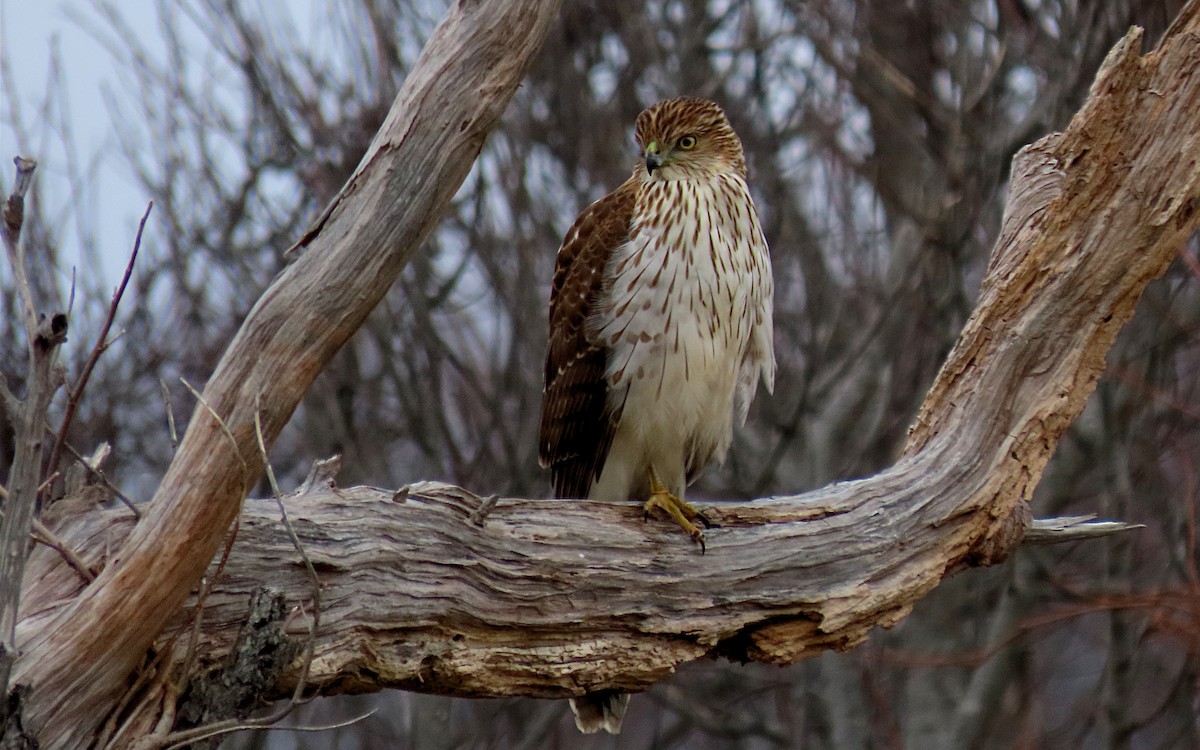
(436, 589)
(453, 97)
(423, 590)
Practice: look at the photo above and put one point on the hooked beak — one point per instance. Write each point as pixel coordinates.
(654, 160)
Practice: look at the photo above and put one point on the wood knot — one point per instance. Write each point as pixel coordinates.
(486, 506)
(51, 331)
(1001, 537)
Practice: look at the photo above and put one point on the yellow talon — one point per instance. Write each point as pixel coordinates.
(685, 515)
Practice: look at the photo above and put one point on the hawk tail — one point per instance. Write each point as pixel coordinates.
(604, 709)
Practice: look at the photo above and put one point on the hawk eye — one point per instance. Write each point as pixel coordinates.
(687, 143)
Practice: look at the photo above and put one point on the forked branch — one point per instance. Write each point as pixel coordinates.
(551, 598)
(451, 99)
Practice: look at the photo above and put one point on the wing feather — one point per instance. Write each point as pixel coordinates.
(578, 423)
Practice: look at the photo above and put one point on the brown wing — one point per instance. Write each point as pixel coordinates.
(577, 423)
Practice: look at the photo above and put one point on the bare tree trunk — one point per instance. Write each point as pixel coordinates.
(454, 96)
(552, 598)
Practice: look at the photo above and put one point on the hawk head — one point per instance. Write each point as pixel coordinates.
(687, 138)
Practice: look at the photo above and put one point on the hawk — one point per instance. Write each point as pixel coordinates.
(660, 329)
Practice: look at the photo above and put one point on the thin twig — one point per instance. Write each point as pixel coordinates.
(97, 472)
(166, 394)
(230, 537)
(1154, 600)
(144, 675)
(174, 686)
(43, 535)
(312, 572)
(189, 736)
(47, 482)
(220, 423)
(169, 701)
(206, 585)
(180, 739)
(10, 227)
(76, 393)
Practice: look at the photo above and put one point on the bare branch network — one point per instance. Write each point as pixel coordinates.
(550, 598)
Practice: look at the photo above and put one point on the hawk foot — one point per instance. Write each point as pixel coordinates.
(683, 514)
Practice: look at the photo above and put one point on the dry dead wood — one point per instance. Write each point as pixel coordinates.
(78, 659)
(549, 598)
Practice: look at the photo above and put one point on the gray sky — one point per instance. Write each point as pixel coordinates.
(110, 203)
(29, 31)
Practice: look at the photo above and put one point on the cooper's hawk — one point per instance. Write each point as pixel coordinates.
(660, 327)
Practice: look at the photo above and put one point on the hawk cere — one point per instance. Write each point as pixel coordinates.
(660, 327)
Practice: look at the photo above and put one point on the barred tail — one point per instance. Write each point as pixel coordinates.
(601, 710)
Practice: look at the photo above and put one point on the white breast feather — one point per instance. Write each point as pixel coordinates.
(689, 331)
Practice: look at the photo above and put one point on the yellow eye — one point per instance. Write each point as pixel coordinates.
(687, 143)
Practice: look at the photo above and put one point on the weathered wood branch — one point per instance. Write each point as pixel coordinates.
(551, 598)
(44, 335)
(1073, 529)
(416, 594)
(454, 95)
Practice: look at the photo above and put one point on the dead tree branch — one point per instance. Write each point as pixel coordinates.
(452, 98)
(44, 335)
(551, 598)
(523, 605)
(75, 394)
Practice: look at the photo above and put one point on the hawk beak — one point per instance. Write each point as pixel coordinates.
(654, 160)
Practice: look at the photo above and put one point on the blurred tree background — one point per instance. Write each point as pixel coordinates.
(879, 136)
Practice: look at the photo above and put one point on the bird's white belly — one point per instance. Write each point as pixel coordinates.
(676, 341)
(670, 419)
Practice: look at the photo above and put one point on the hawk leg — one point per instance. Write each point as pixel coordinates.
(685, 515)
